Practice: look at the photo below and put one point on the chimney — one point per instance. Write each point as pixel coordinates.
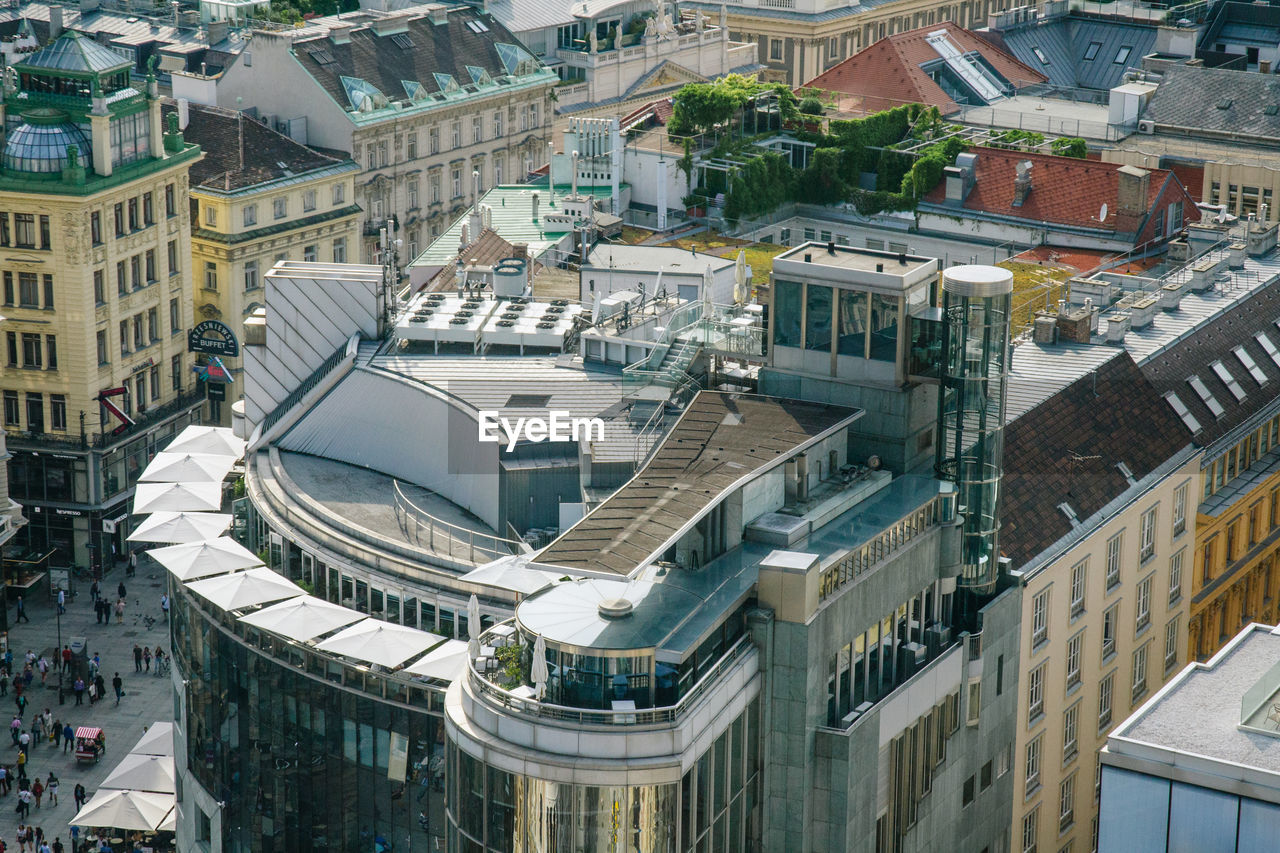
(340, 33)
(1022, 183)
(1143, 312)
(1117, 327)
(466, 237)
(184, 113)
(520, 251)
(392, 24)
(1045, 330)
(55, 22)
(439, 15)
(831, 247)
(1170, 297)
(1131, 199)
(536, 199)
(954, 178)
(218, 31)
(574, 178)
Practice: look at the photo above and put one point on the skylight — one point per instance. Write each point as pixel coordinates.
(479, 76)
(1265, 343)
(1250, 365)
(363, 95)
(1091, 52)
(1233, 386)
(477, 27)
(1180, 408)
(402, 41)
(1044, 60)
(446, 82)
(322, 56)
(1122, 55)
(1203, 392)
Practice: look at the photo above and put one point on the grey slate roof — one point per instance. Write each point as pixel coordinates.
(1218, 100)
(1065, 42)
(522, 16)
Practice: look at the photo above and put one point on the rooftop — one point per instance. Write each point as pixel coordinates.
(1079, 51)
(719, 441)
(1218, 101)
(74, 54)
(648, 258)
(1209, 711)
(871, 261)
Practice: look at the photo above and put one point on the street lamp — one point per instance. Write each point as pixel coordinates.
(58, 648)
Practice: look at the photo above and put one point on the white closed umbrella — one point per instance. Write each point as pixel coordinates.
(302, 618)
(177, 497)
(384, 643)
(196, 560)
(473, 648)
(538, 668)
(445, 661)
(219, 441)
(187, 468)
(473, 617)
(740, 278)
(708, 281)
(595, 307)
(245, 589)
(129, 810)
(179, 527)
(152, 773)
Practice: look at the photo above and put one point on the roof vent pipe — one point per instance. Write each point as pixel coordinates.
(831, 247)
(574, 158)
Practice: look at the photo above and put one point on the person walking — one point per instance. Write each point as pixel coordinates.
(22, 768)
(97, 608)
(4, 781)
(62, 601)
(100, 686)
(137, 658)
(22, 833)
(121, 592)
(94, 665)
(133, 563)
(118, 684)
(21, 702)
(24, 740)
(22, 612)
(15, 728)
(120, 611)
(4, 682)
(56, 734)
(80, 796)
(37, 791)
(66, 658)
(68, 736)
(51, 788)
(146, 659)
(93, 591)
(57, 844)
(43, 666)
(78, 689)
(164, 605)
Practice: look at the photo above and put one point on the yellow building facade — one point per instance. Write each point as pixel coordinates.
(258, 198)
(96, 275)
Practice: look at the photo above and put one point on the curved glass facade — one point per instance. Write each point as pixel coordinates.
(43, 147)
(306, 752)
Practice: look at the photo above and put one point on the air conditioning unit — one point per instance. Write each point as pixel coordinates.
(1146, 126)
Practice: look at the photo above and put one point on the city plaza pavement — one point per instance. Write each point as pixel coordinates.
(148, 699)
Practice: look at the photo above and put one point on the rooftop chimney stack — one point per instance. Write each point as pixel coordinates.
(1022, 183)
(1131, 199)
(574, 178)
(184, 113)
(55, 22)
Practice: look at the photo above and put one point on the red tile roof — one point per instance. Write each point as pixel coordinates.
(1064, 190)
(887, 74)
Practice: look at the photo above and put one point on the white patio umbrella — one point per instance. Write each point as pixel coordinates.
(157, 740)
(139, 810)
(245, 589)
(512, 572)
(383, 643)
(595, 307)
(219, 441)
(473, 648)
(203, 559)
(170, 823)
(179, 527)
(708, 282)
(538, 668)
(187, 468)
(739, 279)
(153, 773)
(302, 618)
(177, 497)
(473, 617)
(444, 661)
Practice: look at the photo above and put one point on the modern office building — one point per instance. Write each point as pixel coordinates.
(97, 294)
(1197, 767)
(257, 198)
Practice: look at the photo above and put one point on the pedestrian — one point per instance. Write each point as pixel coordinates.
(146, 659)
(4, 682)
(62, 601)
(22, 833)
(133, 563)
(100, 686)
(45, 848)
(43, 666)
(39, 839)
(78, 689)
(22, 611)
(37, 791)
(118, 684)
(15, 728)
(21, 702)
(137, 658)
(75, 838)
(80, 796)
(120, 591)
(95, 664)
(51, 787)
(4, 781)
(24, 740)
(97, 609)
(37, 730)
(66, 658)
(120, 611)
(22, 768)
(164, 605)
(56, 734)
(57, 844)
(93, 590)
(28, 673)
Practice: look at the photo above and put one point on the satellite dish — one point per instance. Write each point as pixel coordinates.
(873, 462)
(1102, 214)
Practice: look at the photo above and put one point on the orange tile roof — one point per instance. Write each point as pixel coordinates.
(1064, 190)
(887, 74)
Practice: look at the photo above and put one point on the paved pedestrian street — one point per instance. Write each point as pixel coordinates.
(147, 698)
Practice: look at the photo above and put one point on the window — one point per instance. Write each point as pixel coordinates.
(32, 356)
(455, 176)
(141, 382)
(12, 409)
(967, 796)
(534, 123)
(170, 202)
(1114, 544)
(51, 352)
(210, 215)
(24, 230)
(1070, 733)
(280, 207)
(339, 194)
(1105, 688)
(455, 134)
(1142, 613)
(382, 154)
(8, 288)
(497, 124)
(1148, 535)
(99, 287)
(102, 347)
(411, 146)
(148, 209)
(173, 257)
(1180, 510)
(1175, 577)
(1091, 52)
(135, 271)
(210, 275)
(153, 325)
(308, 200)
(11, 338)
(309, 254)
(1039, 617)
(137, 331)
(1033, 764)
(1139, 673)
(1109, 620)
(251, 275)
(35, 412)
(133, 214)
(124, 337)
(1074, 647)
(477, 129)
(775, 50)
(152, 276)
(117, 215)
(175, 323)
(1067, 803)
(1044, 60)
(1206, 561)
(434, 184)
(433, 140)
(1171, 645)
(250, 215)
(155, 382)
(1078, 574)
(57, 412)
(497, 169)
(1122, 55)
(95, 228)
(175, 372)
(1035, 693)
(412, 191)
(4, 229)
(340, 250)
(28, 290)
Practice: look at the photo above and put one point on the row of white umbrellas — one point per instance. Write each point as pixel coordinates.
(139, 793)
